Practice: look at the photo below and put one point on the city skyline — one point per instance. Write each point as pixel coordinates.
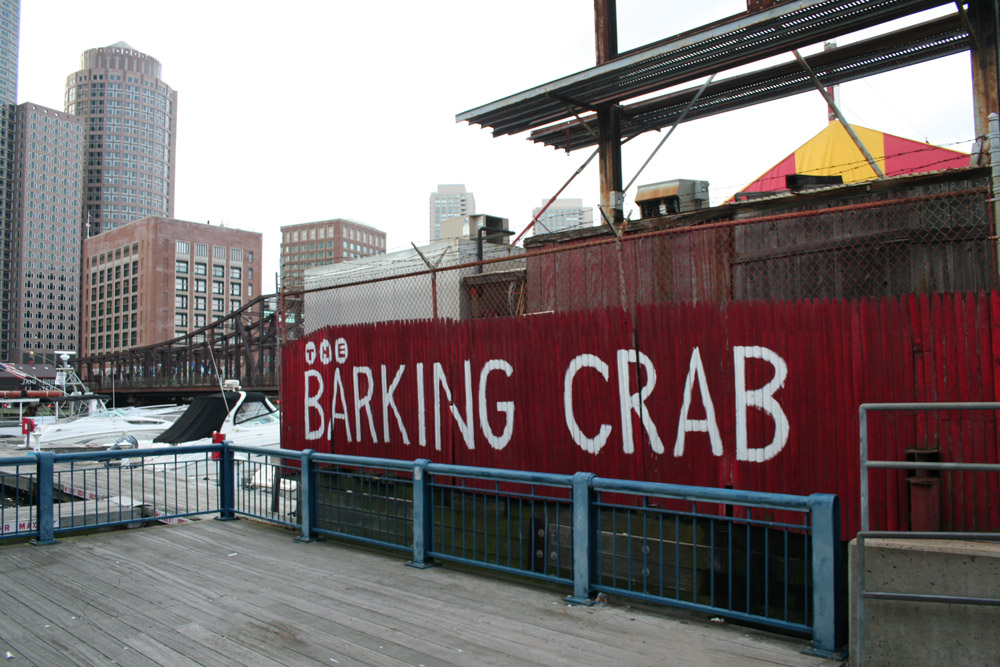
(338, 151)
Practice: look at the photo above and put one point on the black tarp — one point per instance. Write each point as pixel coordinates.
(204, 416)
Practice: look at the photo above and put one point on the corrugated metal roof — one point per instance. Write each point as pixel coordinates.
(920, 43)
(739, 40)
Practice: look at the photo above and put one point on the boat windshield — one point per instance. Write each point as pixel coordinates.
(256, 411)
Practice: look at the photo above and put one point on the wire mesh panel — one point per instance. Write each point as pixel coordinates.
(267, 487)
(366, 504)
(910, 240)
(748, 565)
(523, 528)
(18, 514)
(132, 490)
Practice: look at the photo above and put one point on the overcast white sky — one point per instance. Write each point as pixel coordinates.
(315, 109)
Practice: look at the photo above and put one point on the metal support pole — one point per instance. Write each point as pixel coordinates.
(609, 126)
(833, 105)
(227, 483)
(827, 578)
(307, 500)
(423, 516)
(860, 548)
(994, 137)
(585, 538)
(45, 476)
(434, 285)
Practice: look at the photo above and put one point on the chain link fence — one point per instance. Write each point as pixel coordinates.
(924, 237)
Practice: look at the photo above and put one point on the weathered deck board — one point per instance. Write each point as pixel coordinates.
(223, 593)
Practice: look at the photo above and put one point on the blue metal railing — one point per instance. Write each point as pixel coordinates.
(760, 557)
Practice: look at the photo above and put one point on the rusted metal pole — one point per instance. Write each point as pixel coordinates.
(984, 23)
(609, 116)
(994, 137)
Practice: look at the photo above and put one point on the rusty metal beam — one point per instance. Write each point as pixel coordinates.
(985, 97)
(609, 124)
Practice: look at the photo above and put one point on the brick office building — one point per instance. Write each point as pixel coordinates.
(158, 278)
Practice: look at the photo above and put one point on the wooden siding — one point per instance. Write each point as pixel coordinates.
(712, 415)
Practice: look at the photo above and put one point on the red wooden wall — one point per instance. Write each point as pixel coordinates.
(760, 396)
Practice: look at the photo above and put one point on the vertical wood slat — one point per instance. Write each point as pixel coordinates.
(839, 354)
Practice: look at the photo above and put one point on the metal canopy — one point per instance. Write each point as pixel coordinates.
(741, 39)
(920, 43)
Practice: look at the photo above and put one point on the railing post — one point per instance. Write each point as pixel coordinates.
(423, 515)
(44, 479)
(829, 617)
(227, 483)
(585, 539)
(307, 501)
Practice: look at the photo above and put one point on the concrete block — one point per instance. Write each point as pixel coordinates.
(927, 633)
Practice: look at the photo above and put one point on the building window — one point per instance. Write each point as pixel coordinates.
(249, 289)
(250, 256)
(199, 285)
(218, 287)
(234, 289)
(234, 305)
(218, 271)
(235, 273)
(181, 284)
(199, 320)
(199, 303)
(180, 267)
(201, 250)
(180, 301)
(218, 305)
(219, 252)
(236, 254)
(200, 268)
(183, 247)
(180, 319)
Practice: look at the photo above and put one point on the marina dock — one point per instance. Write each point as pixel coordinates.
(241, 592)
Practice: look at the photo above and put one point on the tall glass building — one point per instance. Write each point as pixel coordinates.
(10, 19)
(130, 127)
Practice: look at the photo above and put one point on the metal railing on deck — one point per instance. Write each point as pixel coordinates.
(760, 557)
(862, 594)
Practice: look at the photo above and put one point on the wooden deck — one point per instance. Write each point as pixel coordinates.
(241, 592)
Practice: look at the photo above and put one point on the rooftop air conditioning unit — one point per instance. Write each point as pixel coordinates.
(669, 197)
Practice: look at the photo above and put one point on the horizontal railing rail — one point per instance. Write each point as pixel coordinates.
(760, 557)
(866, 533)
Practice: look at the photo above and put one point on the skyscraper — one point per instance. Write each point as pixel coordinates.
(10, 21)
(45, 272)
(130, 123)
(450, 201)
(563, 214)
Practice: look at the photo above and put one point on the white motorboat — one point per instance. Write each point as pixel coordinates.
(101, 427)
(79, 418)
(245, 418)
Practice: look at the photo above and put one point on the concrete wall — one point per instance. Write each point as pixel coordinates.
(926, 633)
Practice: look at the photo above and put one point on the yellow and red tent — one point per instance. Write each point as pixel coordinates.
(832, 152)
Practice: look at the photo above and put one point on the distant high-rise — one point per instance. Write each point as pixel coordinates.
(45, 276)
(311, 244)
(450, 201)
(561, 215)
(10, 21)
(130, 121)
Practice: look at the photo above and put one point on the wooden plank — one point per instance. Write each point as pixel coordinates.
(216, 593)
